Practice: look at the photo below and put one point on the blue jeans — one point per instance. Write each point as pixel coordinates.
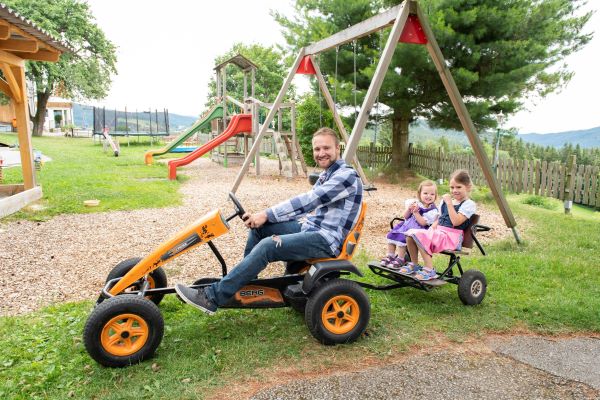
(282, 241)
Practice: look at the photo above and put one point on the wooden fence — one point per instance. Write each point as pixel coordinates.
(517, 176)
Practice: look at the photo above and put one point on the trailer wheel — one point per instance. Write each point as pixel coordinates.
(156, 278)
(337, 312)
(123, 330)
(472, 287)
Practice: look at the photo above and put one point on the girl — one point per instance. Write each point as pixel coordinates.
(446, 233)
(418, 215)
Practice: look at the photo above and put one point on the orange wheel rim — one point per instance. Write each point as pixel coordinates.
(124, 334)
(340, 314)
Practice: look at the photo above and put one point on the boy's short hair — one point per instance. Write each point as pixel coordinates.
(327, 132)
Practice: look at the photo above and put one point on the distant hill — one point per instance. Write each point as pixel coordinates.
(83, 118)
(586, 138)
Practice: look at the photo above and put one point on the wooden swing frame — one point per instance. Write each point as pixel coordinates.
(397, 17)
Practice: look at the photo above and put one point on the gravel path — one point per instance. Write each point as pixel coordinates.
(461, 373)
(68, 257)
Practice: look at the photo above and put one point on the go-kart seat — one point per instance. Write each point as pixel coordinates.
(469, 237)
(348, 248)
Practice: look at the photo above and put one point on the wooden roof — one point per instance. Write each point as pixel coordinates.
(240, 61)
(24, 39)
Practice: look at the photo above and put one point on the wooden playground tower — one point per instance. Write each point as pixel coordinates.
(286, 142)
(22, 40)
(408, 25)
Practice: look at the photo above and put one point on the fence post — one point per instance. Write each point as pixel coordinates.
(371, 153)
(568, 193)
(598, 191)
(439, 165)
(410, 145)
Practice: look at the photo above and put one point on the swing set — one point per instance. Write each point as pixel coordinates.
(408, 25)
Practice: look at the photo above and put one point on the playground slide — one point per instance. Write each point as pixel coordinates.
(201, 123)
(240, 123)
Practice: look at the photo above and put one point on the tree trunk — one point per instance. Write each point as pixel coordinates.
(40, 114)
(400, 143)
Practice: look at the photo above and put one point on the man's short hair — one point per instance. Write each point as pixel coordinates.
(327, 132)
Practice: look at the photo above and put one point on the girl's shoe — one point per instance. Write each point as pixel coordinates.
(385, 261)
(426, 274)
(396, 263)
(409, 268)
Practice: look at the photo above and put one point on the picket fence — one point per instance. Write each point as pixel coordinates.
(541, 178)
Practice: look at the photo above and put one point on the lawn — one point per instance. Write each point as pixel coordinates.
(546, 285)
(80, 170)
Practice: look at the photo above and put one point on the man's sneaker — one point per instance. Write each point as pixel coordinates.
(196, 298)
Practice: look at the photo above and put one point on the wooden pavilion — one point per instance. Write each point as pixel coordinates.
(21, 40)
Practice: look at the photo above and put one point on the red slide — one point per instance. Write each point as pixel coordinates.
(240, 123)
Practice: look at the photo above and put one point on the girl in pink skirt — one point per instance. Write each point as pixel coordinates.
(444, 234)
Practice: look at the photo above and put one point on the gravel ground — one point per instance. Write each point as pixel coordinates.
(448, 374)
(68, 257)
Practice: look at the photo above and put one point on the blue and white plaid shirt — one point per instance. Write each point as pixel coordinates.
(336, 199)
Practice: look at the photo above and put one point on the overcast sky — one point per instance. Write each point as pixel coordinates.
(166, 53)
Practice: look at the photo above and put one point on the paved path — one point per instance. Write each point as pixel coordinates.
(519, 367)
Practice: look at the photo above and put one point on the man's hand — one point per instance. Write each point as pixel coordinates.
(255, 220)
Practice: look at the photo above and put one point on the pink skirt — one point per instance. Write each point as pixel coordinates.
(437, 240)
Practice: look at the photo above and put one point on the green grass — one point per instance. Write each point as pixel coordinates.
(547, 285)
(80, 170)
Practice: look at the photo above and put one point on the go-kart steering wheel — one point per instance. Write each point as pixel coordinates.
(239, 210)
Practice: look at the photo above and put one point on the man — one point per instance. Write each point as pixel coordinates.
(277, 235)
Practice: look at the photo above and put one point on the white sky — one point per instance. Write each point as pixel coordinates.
(166, 53)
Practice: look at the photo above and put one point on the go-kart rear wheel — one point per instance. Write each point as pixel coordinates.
(338, 311)
(472, 287)
(123, 330)
(156, 278)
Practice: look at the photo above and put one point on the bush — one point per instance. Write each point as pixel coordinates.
(542, 202)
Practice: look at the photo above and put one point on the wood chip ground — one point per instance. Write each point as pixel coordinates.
(68, 257)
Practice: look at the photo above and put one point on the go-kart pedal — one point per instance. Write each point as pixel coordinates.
(196, 298)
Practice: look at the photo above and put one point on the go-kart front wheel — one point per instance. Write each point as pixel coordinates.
(156, 279)
(123, 330)
(337, 312)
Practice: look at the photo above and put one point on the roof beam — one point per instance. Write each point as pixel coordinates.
(4, 31)
(4, 88)
(40, 55)
(24, 45)
(359, 30)
(11, 59)
(12, 82)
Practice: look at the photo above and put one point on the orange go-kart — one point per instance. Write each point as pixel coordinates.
(126, 326)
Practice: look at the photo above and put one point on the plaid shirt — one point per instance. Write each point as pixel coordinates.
(336, 199)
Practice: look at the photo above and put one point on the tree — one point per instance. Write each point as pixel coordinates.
(311, 116)
(84, 74)
(499, 54)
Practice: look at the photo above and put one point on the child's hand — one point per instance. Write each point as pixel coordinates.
(447, 198)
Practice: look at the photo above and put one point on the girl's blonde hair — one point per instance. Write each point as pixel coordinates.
(424, 184)
(462, 176)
